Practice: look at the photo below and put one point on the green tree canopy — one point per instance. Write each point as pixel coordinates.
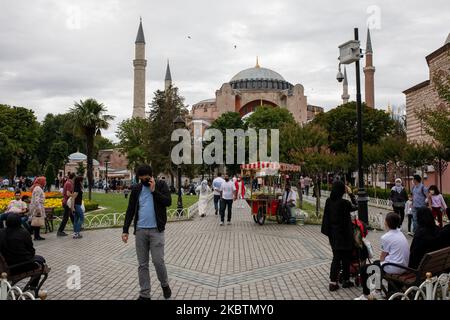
(341, 125)
(19, 133)
(268, 117)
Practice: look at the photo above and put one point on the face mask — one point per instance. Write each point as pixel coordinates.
(146, 182)
(432, 192)
(398, 184)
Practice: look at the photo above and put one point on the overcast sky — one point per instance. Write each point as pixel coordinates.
(55, 52)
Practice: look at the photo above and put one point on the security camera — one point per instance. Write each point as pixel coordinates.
(340, 77)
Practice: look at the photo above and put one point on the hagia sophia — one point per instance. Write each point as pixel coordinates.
(247, 90)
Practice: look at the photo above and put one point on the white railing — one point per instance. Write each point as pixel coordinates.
(8, 292)
(436, 288)
(376, 202)
(109, 220)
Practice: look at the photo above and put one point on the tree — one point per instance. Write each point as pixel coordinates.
(230, 120)
(50, 175)
(81, 169)
(88, 118)
(59, 152)
(164, 108)
(134, 136)
(102, 143)
(18, 136)
(55, 129)
(341, 125)
(267, 117)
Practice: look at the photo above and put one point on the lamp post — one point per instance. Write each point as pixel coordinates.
(351, 52)
(179, 123)
(106, 176)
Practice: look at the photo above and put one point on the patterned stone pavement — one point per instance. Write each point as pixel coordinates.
(205, 261)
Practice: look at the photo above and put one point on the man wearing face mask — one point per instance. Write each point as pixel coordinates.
(398, 198)
(147, 207)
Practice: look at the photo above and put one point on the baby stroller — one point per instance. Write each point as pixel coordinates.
(360, 254)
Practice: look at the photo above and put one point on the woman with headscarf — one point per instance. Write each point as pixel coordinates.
(203, 199)
(337, 226)
(398, 198)
(37, 209)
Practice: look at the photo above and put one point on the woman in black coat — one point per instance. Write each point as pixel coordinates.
(425, 238)
(337, 225)
(398, 198)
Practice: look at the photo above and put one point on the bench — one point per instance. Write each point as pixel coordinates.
(36, 270)
(436, 263)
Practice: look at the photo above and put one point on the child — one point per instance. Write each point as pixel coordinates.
(408, 211)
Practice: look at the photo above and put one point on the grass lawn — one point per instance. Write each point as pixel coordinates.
(116, 202)
(311, 210)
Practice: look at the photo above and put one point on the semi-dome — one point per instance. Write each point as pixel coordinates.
(257, 73)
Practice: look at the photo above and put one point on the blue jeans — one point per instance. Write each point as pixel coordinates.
(24, 220)
(78, 219)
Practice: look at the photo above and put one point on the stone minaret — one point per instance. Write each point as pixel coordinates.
(139, 75)
(369, 72)
(168, 78)
(345, 95)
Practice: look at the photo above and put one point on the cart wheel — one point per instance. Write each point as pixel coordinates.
(279, 218)
(261, 216)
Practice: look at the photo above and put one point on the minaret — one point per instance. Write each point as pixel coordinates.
(168, 78)
(345, 95)
(139, 74)
(369, 72)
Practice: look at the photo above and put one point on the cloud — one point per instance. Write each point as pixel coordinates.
(54, 52)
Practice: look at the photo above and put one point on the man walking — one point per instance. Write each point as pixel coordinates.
(419, 193)
(228, 194)
(147, 207)
(217, 184)
(67, 193)
(307, 183)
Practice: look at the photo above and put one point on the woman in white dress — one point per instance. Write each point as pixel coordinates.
(203, 199)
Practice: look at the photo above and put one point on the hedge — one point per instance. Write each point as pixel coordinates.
(89, 205)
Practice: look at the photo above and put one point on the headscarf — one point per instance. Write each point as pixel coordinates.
(38, 181)
(204, 186)
(13, 221)
(396, 188)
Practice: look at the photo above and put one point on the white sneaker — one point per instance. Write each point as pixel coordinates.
(362, 297)
(221, 223)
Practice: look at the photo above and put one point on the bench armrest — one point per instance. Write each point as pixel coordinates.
(24, 264)
(398, 266)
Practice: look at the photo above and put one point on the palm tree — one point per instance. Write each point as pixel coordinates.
(88, 118)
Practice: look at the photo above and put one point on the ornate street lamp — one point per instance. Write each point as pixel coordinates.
(179, 123)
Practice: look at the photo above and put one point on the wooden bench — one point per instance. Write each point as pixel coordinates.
(36, 270)
(436, 263)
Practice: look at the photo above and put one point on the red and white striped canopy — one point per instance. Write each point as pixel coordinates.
(283, 167)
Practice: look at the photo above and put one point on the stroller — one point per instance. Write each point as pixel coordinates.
(360, 254)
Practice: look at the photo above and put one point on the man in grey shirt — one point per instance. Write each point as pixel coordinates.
(419, 193)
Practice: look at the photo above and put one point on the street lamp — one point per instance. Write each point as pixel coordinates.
(351, 52)
(106, 176)
(179, 123)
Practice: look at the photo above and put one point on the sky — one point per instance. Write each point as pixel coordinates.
(55, 52)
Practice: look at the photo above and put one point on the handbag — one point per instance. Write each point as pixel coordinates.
(37, 221)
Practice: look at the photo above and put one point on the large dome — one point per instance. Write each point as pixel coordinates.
(257, 73)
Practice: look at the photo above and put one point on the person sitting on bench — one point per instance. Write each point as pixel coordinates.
(425, 237)
(17, 249)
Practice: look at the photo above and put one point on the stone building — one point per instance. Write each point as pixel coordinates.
(422, 95)
(250, 89)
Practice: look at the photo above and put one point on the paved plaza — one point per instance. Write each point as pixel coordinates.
(204, 260)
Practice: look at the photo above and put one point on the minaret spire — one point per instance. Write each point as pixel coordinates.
(140, 64)
(345, 95)
(168, 78)
(369, 72)
(257, 62)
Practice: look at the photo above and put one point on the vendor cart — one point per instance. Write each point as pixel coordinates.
(266, 202)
